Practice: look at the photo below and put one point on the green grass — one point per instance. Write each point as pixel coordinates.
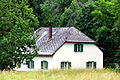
(61, 75)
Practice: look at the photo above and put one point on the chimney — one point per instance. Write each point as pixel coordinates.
(50, 32)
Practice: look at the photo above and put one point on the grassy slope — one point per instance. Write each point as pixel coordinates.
(61, 75)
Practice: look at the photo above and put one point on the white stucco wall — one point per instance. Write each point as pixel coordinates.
(37, 64)
(66, 53)
(78, 59)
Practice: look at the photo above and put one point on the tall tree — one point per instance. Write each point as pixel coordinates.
(37, 11)
(17, 24)
(84, 21)
(107, 27)
(68, 17)
(49, 11)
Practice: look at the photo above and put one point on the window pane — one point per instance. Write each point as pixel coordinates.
(46, 65)
(43, 64)
(78, 47)
(65, 64)
(90, 65)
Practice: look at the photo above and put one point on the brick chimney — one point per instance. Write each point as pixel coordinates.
(50, 32)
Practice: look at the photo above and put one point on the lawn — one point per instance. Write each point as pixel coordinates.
(61, 75)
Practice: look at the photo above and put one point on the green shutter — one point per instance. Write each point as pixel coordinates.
(81, 47)
(75, 47)
(69, 65)
(61, 65)
(46, 64)
(32, 64)
(28, 64)
(94, 65)
(87, 64)
(19, 65)
(41, 64)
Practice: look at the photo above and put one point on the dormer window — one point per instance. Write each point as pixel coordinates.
(78, 47)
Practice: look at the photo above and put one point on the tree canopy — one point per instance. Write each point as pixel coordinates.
(17, 24)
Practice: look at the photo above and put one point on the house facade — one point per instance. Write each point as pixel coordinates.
(64, 48)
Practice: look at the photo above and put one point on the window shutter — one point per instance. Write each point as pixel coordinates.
(87, 64)
(32, 64)
(19, 65)
(75, 47)
(81, 47)
(28, 64)
(69, 65)
(46, 65)
(62, 64)
(94, 65)
(41, 64)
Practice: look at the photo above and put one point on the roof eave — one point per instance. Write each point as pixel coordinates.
(43, 55)
(82, 42)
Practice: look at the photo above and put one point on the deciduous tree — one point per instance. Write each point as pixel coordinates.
(17, 24)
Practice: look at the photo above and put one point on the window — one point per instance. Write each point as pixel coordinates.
(65, 65)
(44, 65)
(31, 64)
(91, 64)
(78, 47)
(18, 65)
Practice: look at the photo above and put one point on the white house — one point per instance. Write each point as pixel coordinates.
(63, 48)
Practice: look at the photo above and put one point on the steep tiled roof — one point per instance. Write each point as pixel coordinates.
(60, 35)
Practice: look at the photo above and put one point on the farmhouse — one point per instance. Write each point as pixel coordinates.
(63, 48)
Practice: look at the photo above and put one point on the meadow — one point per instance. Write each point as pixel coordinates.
(81, 74)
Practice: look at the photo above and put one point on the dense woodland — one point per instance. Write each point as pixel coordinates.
(99, 19)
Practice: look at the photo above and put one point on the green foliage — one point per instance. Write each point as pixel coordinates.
(114, 67)
(84, 21)
(68, 17)
(107, 27)
(49, 11)
(37, 11)
(17, 24)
